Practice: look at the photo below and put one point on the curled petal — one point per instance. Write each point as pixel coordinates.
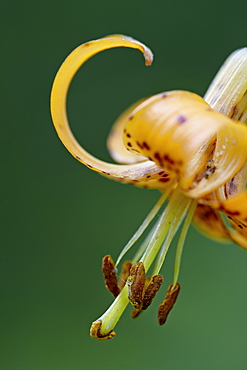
(228, 91)
(209, 222)
(115, 143)
(125, 173)
(234, 207)
(239, 235)
(181, 133)
(236, 211)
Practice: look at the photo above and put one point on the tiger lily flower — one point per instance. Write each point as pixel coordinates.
(193, 150)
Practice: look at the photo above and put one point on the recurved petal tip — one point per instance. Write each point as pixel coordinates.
(95, 331)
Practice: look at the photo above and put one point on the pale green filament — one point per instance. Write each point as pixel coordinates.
(144, 244)
(171, 217)
(145, 223)
(172, 231)
(181, 240)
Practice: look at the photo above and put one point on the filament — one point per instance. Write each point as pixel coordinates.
(146, 222)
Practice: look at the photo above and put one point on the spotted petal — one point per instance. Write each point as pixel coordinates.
(115, 142)
(210, 223)
(181, 133)
(58, 106)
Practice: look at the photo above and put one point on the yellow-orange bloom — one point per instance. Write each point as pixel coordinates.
(192, 149)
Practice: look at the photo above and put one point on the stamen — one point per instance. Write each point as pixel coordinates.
(170, 216)
(146, 222)
(168, 303)
(181, 240)
(172, 231)
(144, 244)
(126, 266)
(135, 282)
(137, 311)
(110, 277)
(151, 291)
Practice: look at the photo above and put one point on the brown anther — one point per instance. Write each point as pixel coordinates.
(137, 311)
(151, 290)
(95, 331)
(110, 277)
(135, 282)
(168, 303)
(126, 266)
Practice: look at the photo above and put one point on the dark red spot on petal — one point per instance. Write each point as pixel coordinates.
(157, 156)
(164, 179)
(146, 146)
(139, 144)
(181, 119)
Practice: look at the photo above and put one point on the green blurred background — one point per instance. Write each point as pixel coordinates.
(60, 218)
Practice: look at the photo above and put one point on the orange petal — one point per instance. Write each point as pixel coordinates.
(227, 92)
(235, 207)
(115, 143)
(181, 133)
(209, 222)
(239, 232)
(124, 173)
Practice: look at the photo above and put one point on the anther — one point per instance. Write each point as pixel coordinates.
(168, 303)
(109, 272)
(137, 311)
(126, 266)
(95, 331)
(135, 282)
(210, 169)
(151, 290)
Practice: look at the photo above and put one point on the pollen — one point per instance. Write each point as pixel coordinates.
(95, 332)
(109, 272)
(135, 282)
(168, 303)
